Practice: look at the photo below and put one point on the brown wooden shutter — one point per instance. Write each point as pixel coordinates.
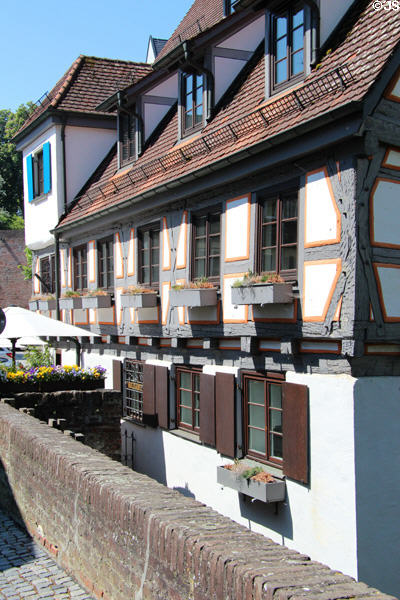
(295, 431)
(207, 409)
(117, 375)
(149, 396)
(162, 401)
(225, 413)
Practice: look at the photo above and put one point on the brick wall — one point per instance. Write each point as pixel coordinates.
(96, 414)
(13, 288)
(123, 535)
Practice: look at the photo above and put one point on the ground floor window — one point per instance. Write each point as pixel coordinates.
(133, 390)
(263, 417)
(188, 399)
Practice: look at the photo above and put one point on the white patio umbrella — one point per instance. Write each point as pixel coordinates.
(21, 323)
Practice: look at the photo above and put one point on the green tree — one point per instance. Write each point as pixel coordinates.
(11, 191)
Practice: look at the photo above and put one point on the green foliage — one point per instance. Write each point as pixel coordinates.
(11, 196)
(249, 473)
(38, 356)
(10, 221)
(27, 269)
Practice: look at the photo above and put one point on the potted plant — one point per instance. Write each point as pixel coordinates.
(136, 296)
(194, 294)
(47, 302)
(71, 299)
(96, 299)
(50, 378)
(251, 481)
(267, 288)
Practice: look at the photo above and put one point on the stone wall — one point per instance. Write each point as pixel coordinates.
(95, 414)
(13, 288)
(123, 535)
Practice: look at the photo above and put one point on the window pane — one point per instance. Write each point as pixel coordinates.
(200, 247)
(196, 383)
(154, 274)
(298, 18)
(214, 267)
(186, 416)
(197, 419)
(298, 39)
(201, 226)
(289, 232)
(214, 224)
(189, 83)
(281, 49)
(189, 119)
(256, 392)
(269, 211)
(275, 395)
(257, 415)
(145, 258)
(154, 256)
(281, 71)
(214, 245)
(186, 381)
(275, 417)
(156, 238)
(146, 275)
(199, 113)
(276, 446)
(289, 208)
(269, 235)
(289, 258)
(268, 260)
(297, 63)
(281, 26)
(146, 240)
(257, 440)
(200, 268)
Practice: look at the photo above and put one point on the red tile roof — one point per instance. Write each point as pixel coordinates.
(88, 82)
(345, 75)
(202, 15)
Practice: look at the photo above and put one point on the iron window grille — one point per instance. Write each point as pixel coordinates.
(48, 274)
(149, 255)
(133, 390)
(288, 47)
(263, 417)
(192, 101)
(80, 268)
(206, 255)
(105, 256)
(188, 399)
(277, 234)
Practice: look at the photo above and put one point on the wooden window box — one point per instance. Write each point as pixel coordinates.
(70, 303)
(144, 300)
(103, 301)
(263, 293)
(265, 492)
(193, 297)
(47, 304)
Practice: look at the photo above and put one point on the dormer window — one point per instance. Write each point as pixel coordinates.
(127, 138)
(192, 102)
(287, 45)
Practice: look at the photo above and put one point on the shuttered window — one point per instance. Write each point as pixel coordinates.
(38, 169)
(127, 137)
(188, 399)
(133, 390)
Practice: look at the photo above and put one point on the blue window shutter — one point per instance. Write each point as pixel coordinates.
(46, 168)
(29, 172)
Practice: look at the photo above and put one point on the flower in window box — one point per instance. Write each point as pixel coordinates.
(136, 296)
(267, 288)
(70, 300)
(194, 294)
(96, 299)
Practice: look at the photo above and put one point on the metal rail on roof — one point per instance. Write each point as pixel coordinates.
(294, 101)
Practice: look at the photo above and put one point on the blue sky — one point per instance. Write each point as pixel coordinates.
(40, 40)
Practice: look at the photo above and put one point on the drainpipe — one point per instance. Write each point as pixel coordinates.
(209, 79)
(57, 272)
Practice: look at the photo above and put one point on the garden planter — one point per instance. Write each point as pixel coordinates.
(70, 303)
(96, 301)
(148, 300)
(262, 293)
(265, 492)
(47, 304)
(193, 297)
(34, 305)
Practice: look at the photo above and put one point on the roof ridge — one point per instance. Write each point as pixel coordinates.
(117, 60)
(68, 79)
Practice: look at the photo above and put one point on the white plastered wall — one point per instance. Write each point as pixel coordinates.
(320, 520)
(85, 149)
(41, 215)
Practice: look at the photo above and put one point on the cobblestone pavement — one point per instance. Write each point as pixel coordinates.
(27, 572)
